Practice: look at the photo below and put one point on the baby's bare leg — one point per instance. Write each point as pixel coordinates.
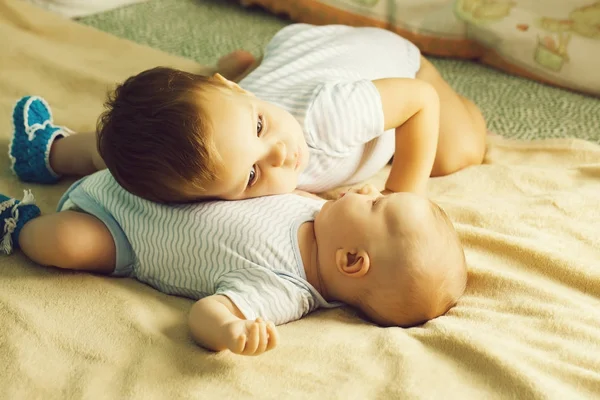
(76, 155)
(462, 127)
(236, 65)
(69, 240)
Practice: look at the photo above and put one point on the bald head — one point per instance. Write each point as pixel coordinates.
(420, 268)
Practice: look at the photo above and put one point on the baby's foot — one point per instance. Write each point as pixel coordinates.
(234, 64)
(33, 135)
(13, 215)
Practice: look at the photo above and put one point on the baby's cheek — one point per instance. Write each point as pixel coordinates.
(282, 186)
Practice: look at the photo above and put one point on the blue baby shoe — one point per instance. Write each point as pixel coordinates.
(13, 215)
(34, 133)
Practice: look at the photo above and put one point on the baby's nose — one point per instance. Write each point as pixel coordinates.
(278, 154)
(365, 190)
(368, 190)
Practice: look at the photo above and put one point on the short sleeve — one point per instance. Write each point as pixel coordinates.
(344, 115)
(262, 293)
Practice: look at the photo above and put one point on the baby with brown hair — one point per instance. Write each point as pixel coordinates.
(327, 106)
(173, 156)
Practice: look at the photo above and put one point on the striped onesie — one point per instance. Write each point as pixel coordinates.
(323, 75)
(246, 250)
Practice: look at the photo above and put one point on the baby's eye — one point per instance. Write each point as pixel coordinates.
(259, 125)
(252, 176)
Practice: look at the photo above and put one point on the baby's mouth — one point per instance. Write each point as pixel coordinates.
(298, 158)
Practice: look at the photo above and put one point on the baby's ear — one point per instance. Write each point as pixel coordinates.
(230, 84)
(352, 263)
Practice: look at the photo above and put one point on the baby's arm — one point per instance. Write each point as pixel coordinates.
(412, 107)
(218, 324)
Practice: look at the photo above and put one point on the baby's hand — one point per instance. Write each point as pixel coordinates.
(250, 338)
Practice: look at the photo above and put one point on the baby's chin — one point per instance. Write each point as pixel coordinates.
(305, 157)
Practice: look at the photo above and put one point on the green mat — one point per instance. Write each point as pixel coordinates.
(204, 30)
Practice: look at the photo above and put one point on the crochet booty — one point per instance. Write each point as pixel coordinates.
(13, 215)
(34, 133)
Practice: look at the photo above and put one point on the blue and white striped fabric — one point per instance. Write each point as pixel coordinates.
(323, 76)
(246, 250)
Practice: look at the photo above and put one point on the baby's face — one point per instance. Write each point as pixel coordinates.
(411, 271)
(261, 146)
(365, 219)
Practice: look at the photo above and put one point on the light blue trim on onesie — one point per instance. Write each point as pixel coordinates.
(301, 271)
(125, 256)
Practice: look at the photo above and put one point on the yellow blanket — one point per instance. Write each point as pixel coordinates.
(528, 326)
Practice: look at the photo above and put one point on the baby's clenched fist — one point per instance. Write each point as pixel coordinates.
(250, 338)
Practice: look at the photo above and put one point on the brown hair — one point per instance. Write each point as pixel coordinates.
(154, 136)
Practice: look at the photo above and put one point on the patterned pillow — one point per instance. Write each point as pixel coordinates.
(554, 41)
